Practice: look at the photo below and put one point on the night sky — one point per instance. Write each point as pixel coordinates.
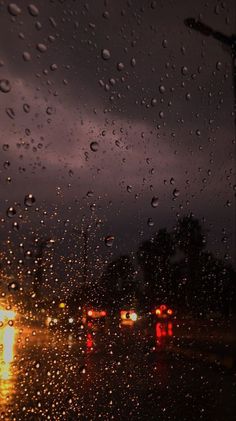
(108, 105)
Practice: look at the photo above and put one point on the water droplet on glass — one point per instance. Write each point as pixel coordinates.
(133, 62)
(176, 193)
(49, 110)
(218, 65)
(26, 108)
(184, 70)
(129, 189)
(153, 102)
(33, 10)
(41, 47)
(10, 112)
(6, 165)
(155, 202)
(90, 193)
(164, 43)
(105, 53)
(5, 147)
(188, 96)
(150, 222)
(13, 9)
(120, 66)
(13, 286)
(15, 226)
(26, 56)
(162, 89)
(94, 146)
(53, 67)
(5, 86)
(198, 132)
(109, 240)
(11, 212)
(29, 200)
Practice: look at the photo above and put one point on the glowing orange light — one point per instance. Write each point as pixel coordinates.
(163, 307)
(158, 311)
(90, 312)
(103, 313)
(169, 311)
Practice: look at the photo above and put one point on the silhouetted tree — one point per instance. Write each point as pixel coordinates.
(189, 239)
(118, 282)
(154, 258)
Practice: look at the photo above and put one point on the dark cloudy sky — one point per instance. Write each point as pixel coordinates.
(159, 109)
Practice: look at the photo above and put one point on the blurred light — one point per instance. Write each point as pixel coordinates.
(54, 321)
(169, 311)
(7, 342)
(170, 329)
(6, 315)
(158, 330)
(158, 311)
(134, 317)
(62, 305)
(89, 342)
(103, 313)
(90, 312)
(71, 320)
(128, 315)
(163, 307)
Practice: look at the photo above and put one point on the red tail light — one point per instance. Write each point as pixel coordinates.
(169, 311)
(103, 313)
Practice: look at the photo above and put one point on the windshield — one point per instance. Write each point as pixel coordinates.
(117, 231)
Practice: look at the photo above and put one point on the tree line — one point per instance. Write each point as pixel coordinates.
(174, 268)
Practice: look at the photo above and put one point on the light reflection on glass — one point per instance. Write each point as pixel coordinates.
(7, 345)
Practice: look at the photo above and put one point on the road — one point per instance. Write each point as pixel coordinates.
(118, 373)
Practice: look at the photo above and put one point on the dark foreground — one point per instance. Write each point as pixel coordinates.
(112, 373)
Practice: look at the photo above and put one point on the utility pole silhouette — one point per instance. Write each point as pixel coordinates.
(225, 40)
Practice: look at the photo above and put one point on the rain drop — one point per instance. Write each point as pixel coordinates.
(184, 70)
(11, 212)
(26, 56)
(120, 66)
(15, 226)
(13, 9)
(150, 222)
(94, 146)
(109, 240)
(153, 102)
(5, 86)
(133, 62)
(106, 55)
(26, 108)
(41, 47)
(53, 67)
(13, 286)
(176, 193)
(162, 89)
(155, 202)
(10, 112)
(29, 200)
(33, 10)
(164, 43)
